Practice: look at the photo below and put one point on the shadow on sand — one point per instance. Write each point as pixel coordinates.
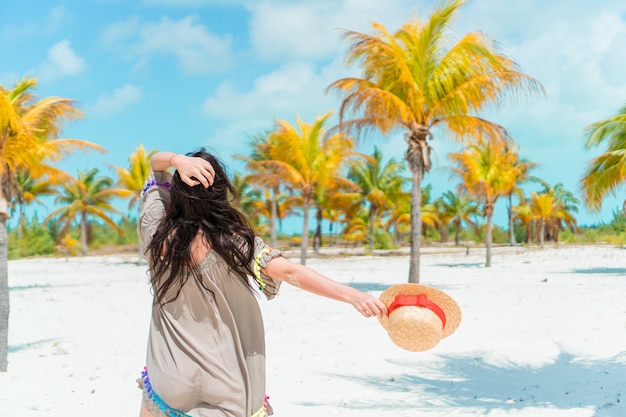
(368, 286)
(25, 346)
(30, 287)
(471, 384)
(379, 287)
(601, 270)
(42, 286)
(463, 265)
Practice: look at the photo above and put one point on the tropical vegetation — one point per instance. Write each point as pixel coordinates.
(488, 169)
(88, 195)
(606, 172)
(29, 146)
(412, 81)
(416, 81)
(308, 162)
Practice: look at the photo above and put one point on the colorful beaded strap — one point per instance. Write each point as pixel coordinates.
(257, 268)
(260, 413)
(166, 409)
(172, 412)
(153, 183)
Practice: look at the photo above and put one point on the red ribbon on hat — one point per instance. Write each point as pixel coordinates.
(417, 301)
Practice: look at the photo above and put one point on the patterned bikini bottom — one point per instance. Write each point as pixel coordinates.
(168, 411)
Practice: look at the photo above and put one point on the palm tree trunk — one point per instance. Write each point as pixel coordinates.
(443, 231)
(371, 219)
(273, 216)
(416, 227)
(542, 232)
(22, 223)
(457, 233)
(331, 236)
(4, 288)
(489, 238)
(396, 235)
(304, 246)
(83, 232)
(511, 225)
(317, 238)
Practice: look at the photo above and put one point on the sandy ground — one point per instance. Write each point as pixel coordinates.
(543, 334)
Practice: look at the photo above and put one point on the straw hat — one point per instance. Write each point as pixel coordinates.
(419, 316)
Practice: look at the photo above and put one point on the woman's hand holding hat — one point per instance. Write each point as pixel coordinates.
(368, 305)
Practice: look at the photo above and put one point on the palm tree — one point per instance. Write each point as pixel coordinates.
(333, 215)
(543, 207)
(606, 172)
(29, 130)
(400, 217)
(267, 205)
(415, 80)
(488, 170)
(524, 213)
(329, 195)
(566, 205)
(263, 176)
(27, 191)
(379, 185)
(459, 208)
(306, 162)
(134, 178)
(523, 177)
(87, 195)
(340, 207)
(355, 231)
(261, 208)
(247, 196)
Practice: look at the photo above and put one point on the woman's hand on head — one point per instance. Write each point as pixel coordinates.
(193, 170)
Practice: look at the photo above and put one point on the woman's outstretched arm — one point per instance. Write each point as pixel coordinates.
(312, 281)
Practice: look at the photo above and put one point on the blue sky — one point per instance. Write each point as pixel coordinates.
(178, 74)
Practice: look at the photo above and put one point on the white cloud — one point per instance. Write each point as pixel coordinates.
(117, 33)
(293, 88)
(117, 101)
(572, 53)
(301, 35)
(231, 139)
(56, 18)
(62, 61)
(311, 30)
(196, 49)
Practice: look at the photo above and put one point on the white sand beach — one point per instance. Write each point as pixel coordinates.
(543, 334)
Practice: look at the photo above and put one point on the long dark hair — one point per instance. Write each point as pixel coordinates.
(210, 211)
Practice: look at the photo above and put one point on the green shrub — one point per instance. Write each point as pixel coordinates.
(104, 235)
(618, 224)
(36, 241)
(382, 240)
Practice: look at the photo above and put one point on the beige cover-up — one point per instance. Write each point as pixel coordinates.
(206, 349)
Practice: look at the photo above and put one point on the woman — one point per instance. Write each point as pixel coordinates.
(206, 347)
